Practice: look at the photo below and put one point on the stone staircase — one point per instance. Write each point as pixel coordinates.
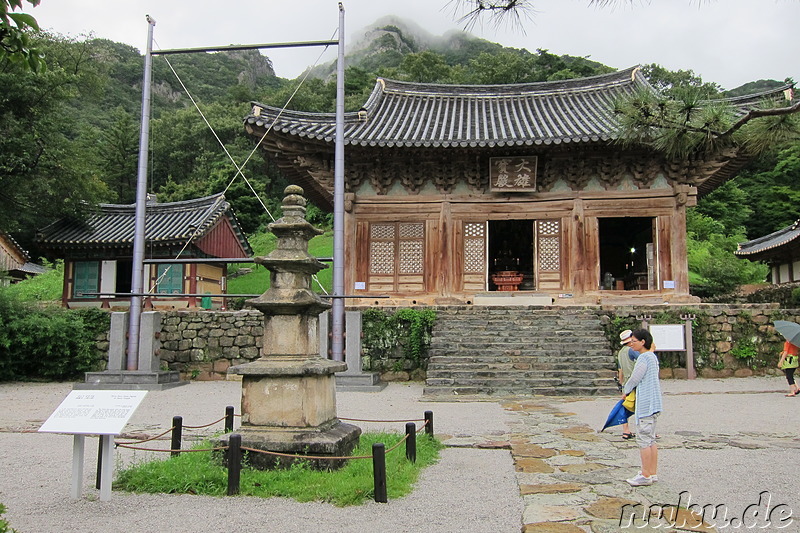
(519, 350)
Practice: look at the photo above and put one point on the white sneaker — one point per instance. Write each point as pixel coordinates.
(653, 478)
(639, 481)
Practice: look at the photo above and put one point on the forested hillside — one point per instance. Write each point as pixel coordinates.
(70, 134)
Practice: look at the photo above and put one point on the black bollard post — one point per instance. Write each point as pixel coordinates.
(379, 471)
(177, 431)
(234, 463)
(411, 442)
(429, 423)
(229, 419)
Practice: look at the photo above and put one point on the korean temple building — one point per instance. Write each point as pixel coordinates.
(98, 253)
(780, 250)
(467, 194)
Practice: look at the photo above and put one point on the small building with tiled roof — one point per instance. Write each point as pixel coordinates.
(780, 250)
(15, 264)
(98, 252)
(458, 193)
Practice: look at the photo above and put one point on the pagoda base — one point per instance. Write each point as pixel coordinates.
(331, 442)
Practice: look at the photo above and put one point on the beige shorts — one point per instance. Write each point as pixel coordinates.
(646, 430)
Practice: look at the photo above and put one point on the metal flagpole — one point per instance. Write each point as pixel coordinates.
(337, 311)
(137, 279)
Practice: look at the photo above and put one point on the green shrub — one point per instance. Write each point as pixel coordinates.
(42, 288)
(404, 336)
(47, 342)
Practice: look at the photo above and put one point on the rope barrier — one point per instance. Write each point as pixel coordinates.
(130, 444)
(295, 456)
(205, 425)
(401, 441)
(172, 451)
(384, 421)
(145, 440)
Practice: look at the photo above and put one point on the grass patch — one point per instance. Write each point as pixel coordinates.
(199, 473)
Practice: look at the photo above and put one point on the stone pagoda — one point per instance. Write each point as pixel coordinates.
(289, 394)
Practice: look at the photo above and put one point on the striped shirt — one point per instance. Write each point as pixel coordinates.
(648, 388)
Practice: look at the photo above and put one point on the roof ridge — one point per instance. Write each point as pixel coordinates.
(160, 206)
(599, 80)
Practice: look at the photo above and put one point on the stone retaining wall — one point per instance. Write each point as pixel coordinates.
(721, 332)
(203, 344)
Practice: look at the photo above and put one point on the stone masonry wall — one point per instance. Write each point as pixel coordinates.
(203, 344)
(720, 333)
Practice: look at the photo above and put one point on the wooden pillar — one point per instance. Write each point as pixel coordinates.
(192, 284)
(69, 274)
(444, 259)
(678, 253)
(577, 248)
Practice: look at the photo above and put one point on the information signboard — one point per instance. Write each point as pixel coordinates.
(668, 338)
(94, 412)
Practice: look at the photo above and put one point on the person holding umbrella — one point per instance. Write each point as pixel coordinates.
(645, 380)
(789, 360)
(624, 368)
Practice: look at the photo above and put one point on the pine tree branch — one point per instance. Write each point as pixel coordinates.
(757, 113)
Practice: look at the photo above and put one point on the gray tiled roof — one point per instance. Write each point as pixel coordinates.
(170, 223)
(769, 242)
(404, 114)
(430, 115)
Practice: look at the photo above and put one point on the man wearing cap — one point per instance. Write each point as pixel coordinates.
(624, 368)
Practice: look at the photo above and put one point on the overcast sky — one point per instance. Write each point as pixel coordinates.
(729, 42)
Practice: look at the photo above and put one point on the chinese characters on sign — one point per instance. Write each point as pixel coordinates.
(512, 174)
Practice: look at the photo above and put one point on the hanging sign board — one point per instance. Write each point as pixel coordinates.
(668, 338)
(94, 412)
(512, 174)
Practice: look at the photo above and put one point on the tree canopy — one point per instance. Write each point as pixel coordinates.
(15, 42)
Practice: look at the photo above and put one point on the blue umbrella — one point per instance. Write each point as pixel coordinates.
(618, 416)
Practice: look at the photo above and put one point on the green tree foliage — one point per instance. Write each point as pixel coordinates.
(770, 187)
(15, 41)
(42, 175)
(710, 256)
(682, 122)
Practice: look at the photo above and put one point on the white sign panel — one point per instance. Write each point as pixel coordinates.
(94, 412)
(668, 338)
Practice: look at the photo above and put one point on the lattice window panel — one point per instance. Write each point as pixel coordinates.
(475, 229)
(382, 231)
(381, 257)
(549, 253)
(549, 227)
(412, 257)
(474, 247)
(412, 231)
(549, 244)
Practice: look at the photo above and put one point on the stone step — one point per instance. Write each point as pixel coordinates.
(451, 391)
(464, 370)
(518, 350)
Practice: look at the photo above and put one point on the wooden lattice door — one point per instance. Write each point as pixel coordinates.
(396, 257)
(548, 254)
